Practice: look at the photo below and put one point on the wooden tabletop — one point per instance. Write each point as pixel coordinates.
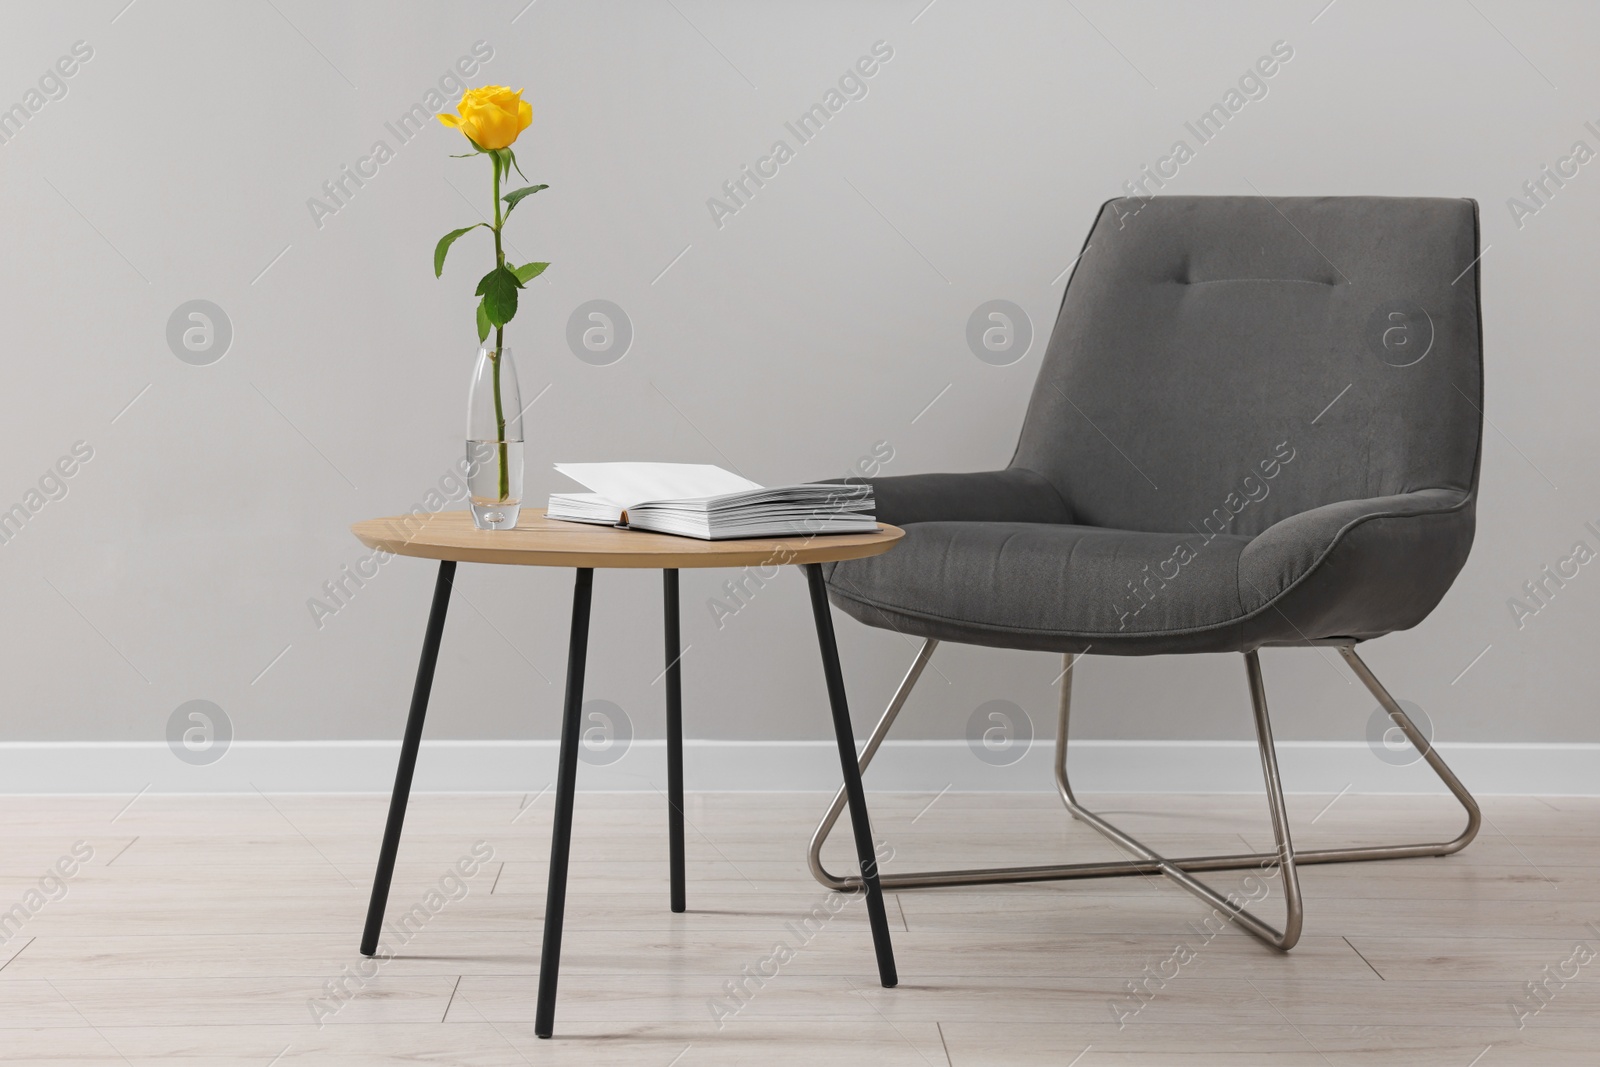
(541, 542)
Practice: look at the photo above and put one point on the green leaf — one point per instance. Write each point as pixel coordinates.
(483, 323)
(514, 163)
(499, 291)
(443, 247)
(514, 197)
(529, 271)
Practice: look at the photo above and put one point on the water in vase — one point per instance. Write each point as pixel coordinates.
(494, 483)
(494, 441)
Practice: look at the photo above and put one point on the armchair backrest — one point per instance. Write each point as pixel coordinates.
(1240, 359)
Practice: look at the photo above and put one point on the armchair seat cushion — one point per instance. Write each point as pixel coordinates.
(1043, 585)
(1350, 570)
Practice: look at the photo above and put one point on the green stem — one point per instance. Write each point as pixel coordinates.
(499, 339)
(500, 421)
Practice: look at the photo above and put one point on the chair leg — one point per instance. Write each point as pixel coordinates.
(1424, 746)
(555, 905)
(408, 758)
(674, 683)
(879, 732)
(1284, 857)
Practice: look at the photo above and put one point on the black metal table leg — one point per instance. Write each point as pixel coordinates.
(555, 904)
(408, 758)
(674, 740)
(852, 776)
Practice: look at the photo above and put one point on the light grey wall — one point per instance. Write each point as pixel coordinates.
(828, 314)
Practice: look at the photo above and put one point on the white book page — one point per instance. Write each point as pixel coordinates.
(584, 500)
(630, 484)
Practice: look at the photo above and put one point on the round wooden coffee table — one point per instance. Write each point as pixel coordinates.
(540, 542)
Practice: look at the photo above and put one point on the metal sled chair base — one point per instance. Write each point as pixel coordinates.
(1283, 860)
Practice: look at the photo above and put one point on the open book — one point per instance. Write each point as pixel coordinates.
(699, 500)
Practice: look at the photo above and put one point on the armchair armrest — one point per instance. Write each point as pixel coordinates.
(1011, 495)
(1361, 567)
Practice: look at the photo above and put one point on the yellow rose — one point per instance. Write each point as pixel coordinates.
(491, 116)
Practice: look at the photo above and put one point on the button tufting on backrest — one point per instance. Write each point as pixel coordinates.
(1204, 336)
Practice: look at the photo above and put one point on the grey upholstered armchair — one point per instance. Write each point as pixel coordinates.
(1257, 424)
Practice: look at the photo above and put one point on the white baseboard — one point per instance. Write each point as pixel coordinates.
(774, 766)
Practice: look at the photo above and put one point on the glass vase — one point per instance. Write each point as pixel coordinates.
(494, 441)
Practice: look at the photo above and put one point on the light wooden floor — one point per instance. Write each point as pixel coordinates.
(205, 930)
